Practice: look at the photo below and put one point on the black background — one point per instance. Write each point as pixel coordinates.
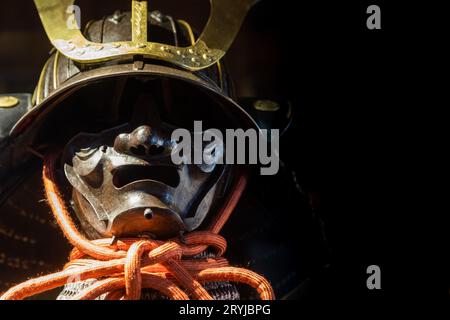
(353, 91)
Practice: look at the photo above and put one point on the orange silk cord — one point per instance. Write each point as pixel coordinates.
(124, 268)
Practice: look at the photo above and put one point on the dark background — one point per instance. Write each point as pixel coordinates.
(347, 87)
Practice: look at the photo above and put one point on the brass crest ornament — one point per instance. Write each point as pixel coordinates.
(224, 22)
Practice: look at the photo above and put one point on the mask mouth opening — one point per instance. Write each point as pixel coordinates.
(128, 174)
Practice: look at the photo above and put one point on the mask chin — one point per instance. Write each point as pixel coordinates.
(156, 221)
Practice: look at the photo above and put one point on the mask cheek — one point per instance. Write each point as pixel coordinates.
(89, 170)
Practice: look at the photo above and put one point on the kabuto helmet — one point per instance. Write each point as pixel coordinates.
(109, 98)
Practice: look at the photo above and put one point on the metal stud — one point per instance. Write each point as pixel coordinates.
(8, 102)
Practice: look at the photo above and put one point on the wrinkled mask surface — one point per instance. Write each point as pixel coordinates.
(125, 183)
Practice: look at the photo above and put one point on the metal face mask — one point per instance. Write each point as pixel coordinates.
(125, 183)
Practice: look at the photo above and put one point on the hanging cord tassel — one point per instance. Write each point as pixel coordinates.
(127, 266)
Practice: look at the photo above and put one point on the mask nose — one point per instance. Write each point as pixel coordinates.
(140, 142)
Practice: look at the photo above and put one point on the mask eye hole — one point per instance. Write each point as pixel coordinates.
(155, 150)
(85, 153)
(138, 151)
